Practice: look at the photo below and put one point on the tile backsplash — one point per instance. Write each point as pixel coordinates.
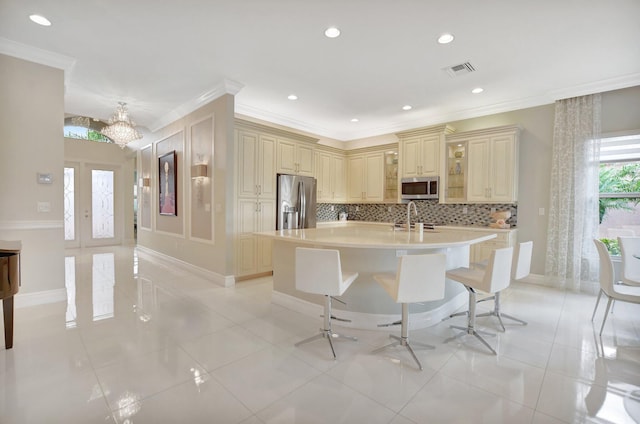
(428, 211)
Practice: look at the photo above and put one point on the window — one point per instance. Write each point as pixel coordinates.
(619, 189)
(83, 128)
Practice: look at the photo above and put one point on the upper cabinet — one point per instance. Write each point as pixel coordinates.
(455, 180)
(391, 176)
(331, 175)
(365, 176)
(421, 151)
(295, 157)
(256, 164)
(491, 165)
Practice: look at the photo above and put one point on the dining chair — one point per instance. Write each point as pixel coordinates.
(618, 292)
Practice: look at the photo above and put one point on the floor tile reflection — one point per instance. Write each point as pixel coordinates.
(139, 342)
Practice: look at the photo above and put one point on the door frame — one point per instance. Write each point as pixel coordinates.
(83, 204)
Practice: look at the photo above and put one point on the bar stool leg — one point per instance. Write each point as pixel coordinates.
(498, 314)
(403, 340)
(470, 328)
(326, 331)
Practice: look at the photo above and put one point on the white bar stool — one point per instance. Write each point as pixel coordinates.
(496, 277)
(319, 271)
(420, 278)
(520, 269)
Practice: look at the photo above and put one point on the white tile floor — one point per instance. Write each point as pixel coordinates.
(145, 344)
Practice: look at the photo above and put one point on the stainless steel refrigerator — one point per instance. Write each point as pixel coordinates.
(296, 202)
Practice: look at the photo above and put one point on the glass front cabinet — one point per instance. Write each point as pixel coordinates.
(455, 176)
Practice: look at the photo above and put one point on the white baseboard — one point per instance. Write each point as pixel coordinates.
(367, 321)
(23, 300)
(591, 287)
(162, 260)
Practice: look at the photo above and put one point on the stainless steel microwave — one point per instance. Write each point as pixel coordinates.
(420, 188)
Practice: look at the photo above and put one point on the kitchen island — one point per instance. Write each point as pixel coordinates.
(371, 248)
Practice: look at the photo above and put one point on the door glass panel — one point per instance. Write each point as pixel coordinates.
(103, 285)
(69, 204)
(102, 186)
(70, 284)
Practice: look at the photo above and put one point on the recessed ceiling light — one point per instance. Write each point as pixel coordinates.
(445, 38)
(332, 32)
(477, 90)
(354, 120)
(292, 97)
(40, 20)
(407, 107)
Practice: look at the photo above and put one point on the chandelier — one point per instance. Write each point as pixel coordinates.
(121, 129)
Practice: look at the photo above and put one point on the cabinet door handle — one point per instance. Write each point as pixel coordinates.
(259, 189)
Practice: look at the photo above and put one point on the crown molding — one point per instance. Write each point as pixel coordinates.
(227, 86)
(610, 84)
(274, 118)
(248, 125)
(38, 55)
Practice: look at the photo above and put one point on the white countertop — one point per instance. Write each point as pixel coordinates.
(379, 236)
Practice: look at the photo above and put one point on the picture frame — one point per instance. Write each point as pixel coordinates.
(168, 190)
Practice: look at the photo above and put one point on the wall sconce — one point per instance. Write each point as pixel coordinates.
(199, 170)
(146, 182)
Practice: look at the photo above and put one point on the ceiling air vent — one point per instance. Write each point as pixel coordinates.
(456, 70)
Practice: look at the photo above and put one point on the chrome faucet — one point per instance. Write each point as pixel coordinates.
(415, 212)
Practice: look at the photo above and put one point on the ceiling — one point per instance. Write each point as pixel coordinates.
(167, 58)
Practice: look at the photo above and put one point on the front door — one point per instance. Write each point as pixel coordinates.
(92, 211)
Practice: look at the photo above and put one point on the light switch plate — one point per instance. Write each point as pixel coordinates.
(45, 178)
(44, 207)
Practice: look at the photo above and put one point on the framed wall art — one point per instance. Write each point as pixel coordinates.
(167, 174)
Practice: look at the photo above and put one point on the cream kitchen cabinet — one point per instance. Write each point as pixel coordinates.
(365, 173)
(257, 150)
(254, 252)
(331, 171)
(421, 156)
(256, 164)
(492, 164)
(294, 157)
(481, 251)
(454, 180)
(420, 151)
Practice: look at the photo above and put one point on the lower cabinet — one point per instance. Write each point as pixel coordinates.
(254, 252)
(482, 251)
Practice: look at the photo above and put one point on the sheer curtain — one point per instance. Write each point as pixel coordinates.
(573, 209)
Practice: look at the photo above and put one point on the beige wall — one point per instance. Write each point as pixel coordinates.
(31, 141)
(202, 232)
